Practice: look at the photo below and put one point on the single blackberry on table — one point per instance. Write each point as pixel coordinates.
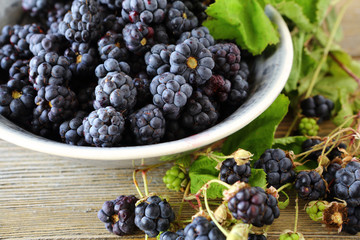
(176, 179)
(199, 113)
(278, 167)
(217, 87)
(147, 125)
(352, 226)
(49, 69)
(179, 235)
(158, 59)
(56, 15)
(36, 8)
(227, 59)
(111, 65)
(146, 11)
(317, 106)
(231, 171)
(119, 214)
(201, 228)
(201, 33)
(112, 4)
(71, 132)
(43, 43)
(308, 145)
(170, 93)
(112, 46)
(104, 127)
(19, 75)
(193, 61)
(142, 84)
(180, 19)
(138, 37)
(153, 216)
(257, 237)
(310, 185)
(347, 184)
(116, 89)
(308, 126)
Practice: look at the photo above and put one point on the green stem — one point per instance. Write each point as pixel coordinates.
(143, 173)
(137, 184)
(283, 187)
(296, 213)
(183, 200)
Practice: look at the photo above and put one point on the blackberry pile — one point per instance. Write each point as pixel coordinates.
(150, 65)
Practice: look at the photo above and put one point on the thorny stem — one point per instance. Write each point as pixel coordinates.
(137, 184)
(347, 70)
(182, 201)
(143, 173)
(283, 187)
(199, 202)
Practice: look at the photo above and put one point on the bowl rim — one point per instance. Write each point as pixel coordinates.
(18, 136)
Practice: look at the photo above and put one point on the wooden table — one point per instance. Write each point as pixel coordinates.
(47, 197)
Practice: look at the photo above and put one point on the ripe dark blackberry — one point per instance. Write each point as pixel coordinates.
(231, 171)
(112, 46)
(113, 23)
(317, 106)
(49, 69)
(253, 205)
(161, 35)
(329, 173)
(142, 84)
(36, 8)
(193, 61)
(201, 228)
(244, 70)
(104, 127)
(179, 235)
(55, 104)
(310, 185)
(111, 65)
(217, 87)
(239, 90)
(5, 35)
(198, 8)
(201, 33)
(148, 125)
(278, 167)
(82, 23)
(86, 97)
(8, 56)
(116, 89)
(19, 75)
(199, 113)
(352, 226)
(154, 215)
(119, 214)
(170, 93)
(138, 37)
(112, 4)
(256, 237)
(180, 19)
(174, 131)
(227, 59)
(56, 15)
(20, 38)
(158, 59)
(71, 132)
(347, 184)
(310, 143)
(146, 11)
(43, 43)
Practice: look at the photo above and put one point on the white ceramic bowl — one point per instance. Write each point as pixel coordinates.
(271, 74)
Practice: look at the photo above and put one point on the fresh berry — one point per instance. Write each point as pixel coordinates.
(201, 33)
(112, 46)
(231, 171)
(256, 237)
(158, 59)
(146, 11)
(20, 38)
(308, 145)
(19, 75)
(112, 4)
(310, 185)
(239, 90)
(330, 172)
(315, 209)
(138, 37)
(179, 235)
(175, 178)
(175, 131)
(317, 106)
(308, 127)
(180, 19)
(111, 65)
(161, 35)
(56, 15)
(119, 214)
(201, 228)
(44, 43)
(217, 87)
(227, 59)
(142, 84)
(71, 132)
(352, 225)
(36, 8)
(86, 97)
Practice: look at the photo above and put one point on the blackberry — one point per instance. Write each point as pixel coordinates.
(113, 23)
(329, 173)
(112, 46)
(257, 237)
(43, 43)
(231, 171)
(308, 126)
(317, 106)
(119, 214)
(352, 226)
(161, 35)
(244, 70)
(158, 59)
(279, 169)
(20, 39)
(56, 15)
(175, 178)
(347, 184)
(193, 61)
(171, 92)
(104, 127)
(116, 89)
(112, 4)
(201, 228)
(180, 19)
(71, 132)
(148, 125)
(86, 97)
(19, 75)
(174, 131)
(5, 35)
(239, 90)
(217, 87)
(138, 37)
(199, 113)
(201, 33)
(146, 11)
(82, 23)
(55, 104)
(49, 69)
(111, 65)
(154, 215)
(310, 185)
(310, 143)
(8, 56)
(198, 8)
(227, 59)
(142, 84)
(179, 235)
(36, 8)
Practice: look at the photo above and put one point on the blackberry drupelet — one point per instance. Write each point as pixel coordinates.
(347, 184)
(138, 37)
(352, 226)
(86, 97)
(200, 33)
(256, 237)
(161, 35)
(5, 35)
(153, 216)
(147, 125)
(201, 228)
(112, 46)
(158, 59)
(170, 93)
(146, 11)
(329, 174)
(19, 75)
(180, 19)
(56, 15)
(119, 214)
(227, 59)
(278, 167)
(199, 113)
(43, 43)
(36, 8)
(310, 185)
(244, 70)
(111, 65)
(317, 106)
(104, 127)
(231, 171)
(308, 127)
(179, 235)
(193, 61)
(71, 132)
(116, 89)
(239, 90)
(142, 84)
(217, 87)
(113, 23)
(112, 4)
(8, 56)
(174, 131)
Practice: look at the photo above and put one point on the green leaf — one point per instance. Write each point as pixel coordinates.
(330, 22)
(258, 135)
(184, 161)
(284, 204)
(289, 143)
(343, 108)
(242, 21)
(258, 178)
